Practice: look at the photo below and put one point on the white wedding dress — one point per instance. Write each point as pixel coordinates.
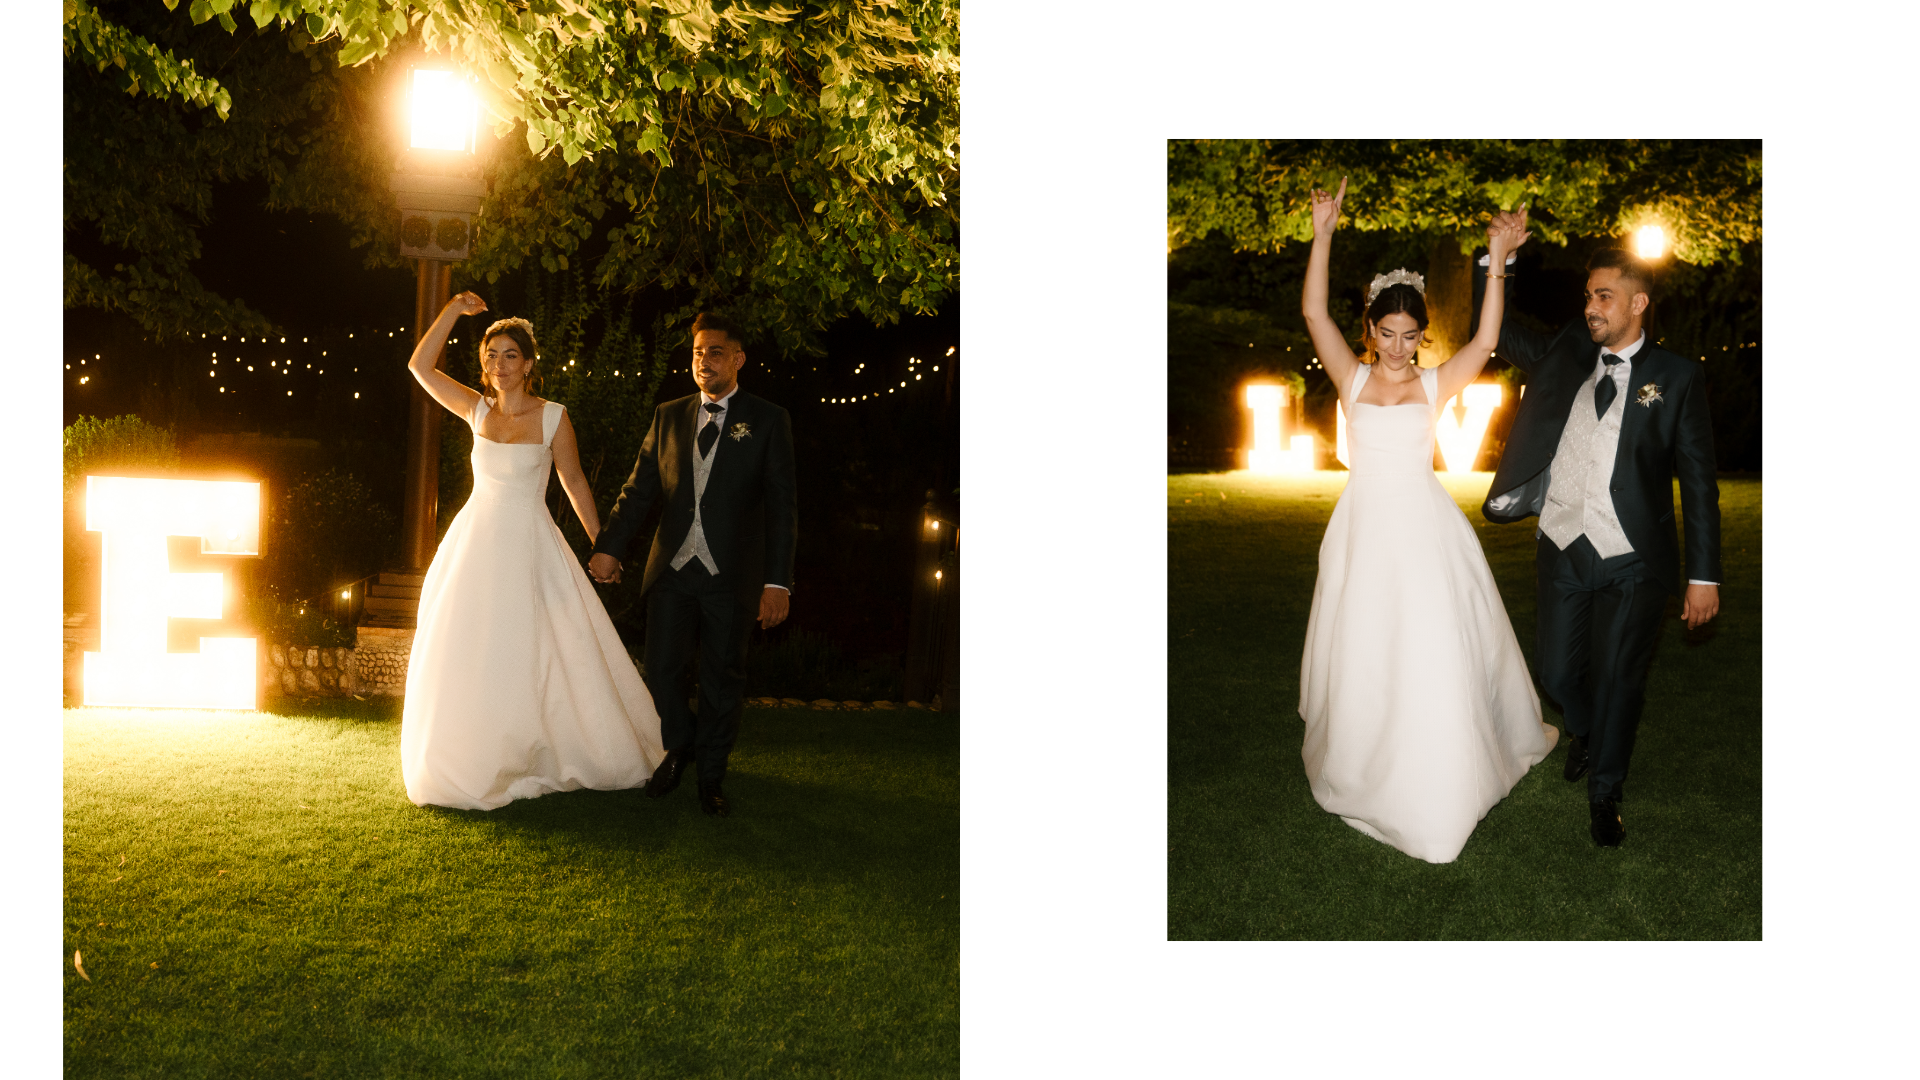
(518, 684)
(1419, 710)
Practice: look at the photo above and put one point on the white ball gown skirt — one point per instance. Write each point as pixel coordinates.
(1420, 714)
(518, 684)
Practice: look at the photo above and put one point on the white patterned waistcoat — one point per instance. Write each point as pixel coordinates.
(695, 546)
(1580, 485)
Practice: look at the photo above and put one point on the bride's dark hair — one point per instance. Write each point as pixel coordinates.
(1393, 300)
(521, 331)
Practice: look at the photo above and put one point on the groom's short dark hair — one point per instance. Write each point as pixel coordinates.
(1632, 268)
(708, 320)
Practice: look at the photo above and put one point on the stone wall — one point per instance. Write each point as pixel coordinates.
(380, 661)
(376, 665)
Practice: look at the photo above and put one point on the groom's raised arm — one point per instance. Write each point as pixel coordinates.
(636, 496)
(781, 504)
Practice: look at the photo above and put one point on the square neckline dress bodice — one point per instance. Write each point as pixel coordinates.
(518, 684)
(1420, 713)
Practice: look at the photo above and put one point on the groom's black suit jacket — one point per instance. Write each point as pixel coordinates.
(1670, 437)
(748, 512)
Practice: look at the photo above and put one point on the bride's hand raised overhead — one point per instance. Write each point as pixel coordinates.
(1326, 209)
(466, 304)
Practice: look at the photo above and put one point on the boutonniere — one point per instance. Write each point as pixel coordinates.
(1649, 394)
(740, 431)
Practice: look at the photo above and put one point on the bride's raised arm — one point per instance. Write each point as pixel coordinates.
(1328, 342)
(1505, 233)
(425, 364)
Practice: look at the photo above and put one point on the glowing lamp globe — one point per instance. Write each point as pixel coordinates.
(1650, 241)
(444, 112)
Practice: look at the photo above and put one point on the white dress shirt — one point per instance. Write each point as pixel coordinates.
(705, 417)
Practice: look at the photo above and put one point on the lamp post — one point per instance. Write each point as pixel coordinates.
(438, 198)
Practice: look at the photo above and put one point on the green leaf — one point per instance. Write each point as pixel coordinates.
(227, 23)
(316, 27)
(200, 11)
(772, 105)
(571, 153)
(536, 142)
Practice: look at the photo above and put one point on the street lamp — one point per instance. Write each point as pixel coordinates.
(1650, 241)
(438, 197)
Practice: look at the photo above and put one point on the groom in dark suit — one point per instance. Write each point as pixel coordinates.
(1608, 420)
(720, 462)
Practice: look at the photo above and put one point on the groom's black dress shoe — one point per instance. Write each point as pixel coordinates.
(1576, 758)
(667, 776)
(1607, 828)
(713, 800)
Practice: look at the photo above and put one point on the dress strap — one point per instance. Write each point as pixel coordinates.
(1430, 381)
(1359, 380)
(550, 421)
(480, 408)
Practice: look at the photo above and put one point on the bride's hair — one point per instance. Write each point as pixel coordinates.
(1393, 300)
(521, 331)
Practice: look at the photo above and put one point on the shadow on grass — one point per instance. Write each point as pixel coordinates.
(372, 709)
(859, 817)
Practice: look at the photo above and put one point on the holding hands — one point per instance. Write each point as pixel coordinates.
(1506, 232)
(1326, 209)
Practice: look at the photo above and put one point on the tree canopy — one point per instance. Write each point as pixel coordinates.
(1705, 193)
(793, 162)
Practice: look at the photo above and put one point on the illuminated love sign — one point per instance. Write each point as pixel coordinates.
(1269, 454)
(145, 524)
(1460, 430)
(1463, 425)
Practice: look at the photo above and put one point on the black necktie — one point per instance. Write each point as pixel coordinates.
(1603, 391)
(710, 434)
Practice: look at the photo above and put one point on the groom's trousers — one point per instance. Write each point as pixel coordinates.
(1598, 622)
(688, 610)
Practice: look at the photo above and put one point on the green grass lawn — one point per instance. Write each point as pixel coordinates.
(1251, 855)
(253, 894)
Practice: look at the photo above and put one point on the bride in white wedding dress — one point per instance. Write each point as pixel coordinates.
(1420, 714)
(518, 684)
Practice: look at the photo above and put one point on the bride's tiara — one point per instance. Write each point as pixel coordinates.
(1402, 276)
